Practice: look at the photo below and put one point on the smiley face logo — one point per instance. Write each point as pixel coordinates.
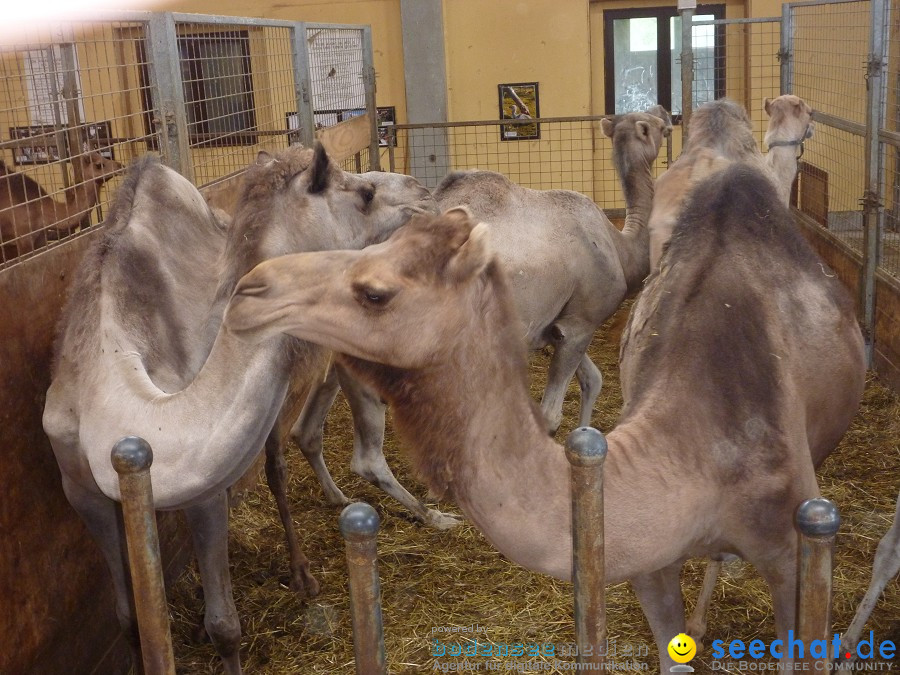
(682, 648)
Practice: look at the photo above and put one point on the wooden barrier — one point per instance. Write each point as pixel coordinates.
(847, 264)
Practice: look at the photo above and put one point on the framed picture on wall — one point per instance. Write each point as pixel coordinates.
(39, 146)
(387, 116)
(519, 101)
(97, 136)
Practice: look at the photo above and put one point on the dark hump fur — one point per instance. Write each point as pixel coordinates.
(735, 247)
(81, 315)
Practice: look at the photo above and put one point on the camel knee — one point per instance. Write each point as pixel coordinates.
(370, 466)
(225, 633)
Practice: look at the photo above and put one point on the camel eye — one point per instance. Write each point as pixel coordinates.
(369, 296)
(368, 194)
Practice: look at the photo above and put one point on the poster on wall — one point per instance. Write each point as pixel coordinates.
(519, 101)
(39, 146)
(387, 116)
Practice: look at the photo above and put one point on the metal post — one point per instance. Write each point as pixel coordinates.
(785, 54)
(168, 93)
(369, 81)
(359, 527)
(303, 85)
(818, 521)
(687, 69)
(131, 458)
(872, 202)
(392, 142)
(586, 450)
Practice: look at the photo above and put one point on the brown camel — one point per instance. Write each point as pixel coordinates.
(141, 351)
(769, 367)
(569, 269)
(27, 211)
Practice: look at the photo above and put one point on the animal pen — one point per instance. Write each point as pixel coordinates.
(208, 93)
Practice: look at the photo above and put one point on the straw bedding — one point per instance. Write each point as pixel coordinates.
(434, 579)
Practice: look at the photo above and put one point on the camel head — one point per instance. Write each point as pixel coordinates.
(97, 168)
(299, 200)
(637, 137)
(790, 121)
(397, 303)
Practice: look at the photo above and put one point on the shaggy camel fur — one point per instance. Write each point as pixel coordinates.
(141, 351)
(790, 125)
(720, 133)
(27, 211)
(570, 269)
(769, 366)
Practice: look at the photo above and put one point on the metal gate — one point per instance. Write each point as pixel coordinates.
(79, 101)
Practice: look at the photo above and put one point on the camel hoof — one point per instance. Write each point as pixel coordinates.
(441, 521)
(305, 585)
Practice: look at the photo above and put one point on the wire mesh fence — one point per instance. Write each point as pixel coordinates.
(70, 118)
(745, 63)
(238, 87)
(79, 101)
(571, 154)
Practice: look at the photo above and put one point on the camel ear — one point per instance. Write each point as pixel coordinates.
(643, 128)
(607, 126)
(471, 257)
(320, 171)
(263, 158)
(459, 213)
(768, 106)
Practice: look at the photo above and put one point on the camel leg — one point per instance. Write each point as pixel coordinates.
(208, 523)
(99, 515)
(302, 581)
(660, 596)
(696, 624)
(368, 450)
(570, 344)
(308, 431)
(590, 381)
(887, 564)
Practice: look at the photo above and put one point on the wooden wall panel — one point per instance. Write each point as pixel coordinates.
(847, 264)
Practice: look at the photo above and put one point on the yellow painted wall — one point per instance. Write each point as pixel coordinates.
(558, 43)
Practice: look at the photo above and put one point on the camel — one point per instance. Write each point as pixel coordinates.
(887, 564)
(790, 125)
(721, 134)
(141, 351)
(561, 303)
(770, 367)
(27, 211)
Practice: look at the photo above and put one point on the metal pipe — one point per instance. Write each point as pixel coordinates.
(687, 71)
(785, 53)
(873, 199)
(359, 527)
(131, 458)
(369, 84)
(818, 521)
(586, 451)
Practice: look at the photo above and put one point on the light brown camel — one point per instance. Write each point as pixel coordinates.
(27, 211)
(790, 125)
(721, 133)
(570, 269)
(769, 367)
(141, 351)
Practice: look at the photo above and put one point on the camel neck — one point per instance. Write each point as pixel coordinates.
(634, 248)
(488, 447)
(781, 161)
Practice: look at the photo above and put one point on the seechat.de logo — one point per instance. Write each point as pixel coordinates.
(793, 648)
